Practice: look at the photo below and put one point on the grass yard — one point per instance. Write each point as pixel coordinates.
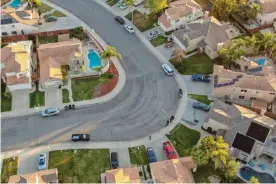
(159, 40)
(82, 166)
(56, 14)
(141, 21)
(65, 96)
(138, 155)
(6, 100)
(199, 63)
(111, 2)
(44, 8)
(47, 39)
(183, 139)
(9, 168)
(200, 98)
(37, 99)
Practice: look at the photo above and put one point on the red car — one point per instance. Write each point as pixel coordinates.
(168, 148)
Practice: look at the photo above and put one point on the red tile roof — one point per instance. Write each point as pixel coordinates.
(13, 80)
(164, 21)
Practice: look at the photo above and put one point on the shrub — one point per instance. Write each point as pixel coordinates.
(78, 33)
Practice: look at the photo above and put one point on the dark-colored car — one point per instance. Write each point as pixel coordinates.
(114, 160)
(80, 137)
(201, 106)
(200, 78)
(120, 20)
(151, 155)
(51, 19)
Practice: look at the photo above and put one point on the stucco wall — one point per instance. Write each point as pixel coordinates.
(18, 27)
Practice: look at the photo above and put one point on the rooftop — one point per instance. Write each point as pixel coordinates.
(123, 175)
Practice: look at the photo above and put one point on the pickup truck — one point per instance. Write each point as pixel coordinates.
(200, 78)
(169, 150)
(80, 137)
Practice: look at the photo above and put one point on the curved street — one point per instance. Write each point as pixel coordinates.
(136, 112)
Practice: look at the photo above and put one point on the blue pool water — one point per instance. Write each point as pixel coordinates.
(15, 3)
(261, 61)
(94, 58)
(247, 172)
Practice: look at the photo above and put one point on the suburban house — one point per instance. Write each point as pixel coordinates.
(254, 83)
(173, 171)
(53, 56)
(267, 15)
(179, 14)
(18, 22)
(43, 176)
(250, 135)
(122, 175)
(207, 34)
(17, 65)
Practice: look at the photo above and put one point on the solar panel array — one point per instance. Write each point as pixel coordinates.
(252, 70)
(216, 85)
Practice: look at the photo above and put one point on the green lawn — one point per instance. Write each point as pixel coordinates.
(203, 172)
(44, 8)
(183, 139)
(65, 96)
(200, 98)
(83, 166)
(111, 2)
(199, 63)
(138, 155)
(47, 39)
(83, 89)
(37, 99)
(9, 168)
(56, 14)
(6, 101)
(159, 40)
(141, 21)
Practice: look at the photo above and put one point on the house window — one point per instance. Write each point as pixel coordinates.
(14, 32)
(177, 20)
(253, 98)
(4, 34)
(243, 90)
(241, 97)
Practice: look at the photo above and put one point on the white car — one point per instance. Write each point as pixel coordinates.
(167, 69)
(129, 28)
(153, 34)
(42, 161)
(119, 3)
(123, 7)
(50, 112)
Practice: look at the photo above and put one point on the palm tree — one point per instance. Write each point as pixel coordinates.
(254, 10)
(220, 152)
(32, 3)
(110, 52)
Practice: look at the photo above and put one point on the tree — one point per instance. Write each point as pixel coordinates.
(156, 6)
(130, 4)
(254, 10)
(230, 169)
(32, 4)
(110, 52)
(200, 156)
(219, 152)
(253, 179)
(178, 54)
(225, 7)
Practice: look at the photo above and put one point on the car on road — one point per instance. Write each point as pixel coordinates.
(123, 6)
(201, 106)
(119, 3)
(120, 20)
(169, 150)
(200, 78)
(51, 19)
(153, 34)
(114, 160)
(42, 161)
(50, 112)
(151, 155)
(167, 69)
(80, 137)
(129, 28)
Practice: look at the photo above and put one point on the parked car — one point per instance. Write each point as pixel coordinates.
(51, 19)
(169, 150)
(114, 160)
(120, 19)
(80, 137)
(151, 155)
(200, 78)
(119, 3)
(50, 112)
(42, 161)
(123, 6)
(167, 69)
(129, 28)
(154, 34)
(201, 106)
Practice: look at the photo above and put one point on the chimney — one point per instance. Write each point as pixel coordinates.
(263, 111)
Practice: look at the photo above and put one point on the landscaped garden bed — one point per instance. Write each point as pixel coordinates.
(55, 14)
(138, 155)
(65, 96)
(111, 2)
(47, 39)
(159, 40)
(80, 166)
(200, 98)
(6, 99)
(9, 168)
(37, 99)
(43, 8)
(183, 139)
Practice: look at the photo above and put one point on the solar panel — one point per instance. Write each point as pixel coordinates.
(239, 76)
(231, 83)
(219, 85)
(215, 85)
(235, 80)
(225, 84)
(6, 21)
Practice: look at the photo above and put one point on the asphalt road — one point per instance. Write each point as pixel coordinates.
(136, 112)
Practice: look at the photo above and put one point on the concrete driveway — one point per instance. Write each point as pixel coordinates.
(199, 88)
(158, 149)
(53, 97)
(123, 155)
(20, 99)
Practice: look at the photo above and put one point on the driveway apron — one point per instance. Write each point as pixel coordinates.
(20, 99)
(53, 97)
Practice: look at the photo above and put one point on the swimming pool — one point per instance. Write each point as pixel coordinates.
(15, 3)
(261, 61)
(247, 172)
(94, 58)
